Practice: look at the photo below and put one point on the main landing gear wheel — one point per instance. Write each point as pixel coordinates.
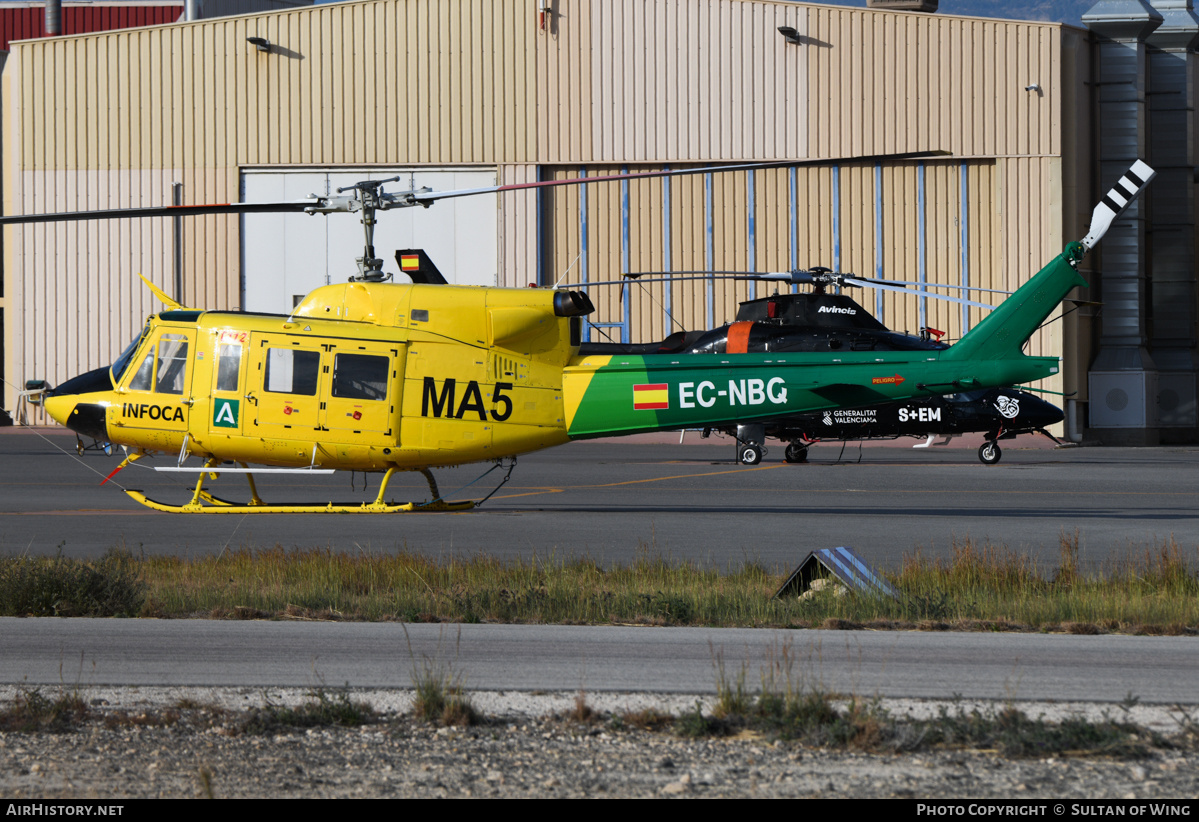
(796, 452)
(750, 454)
(990, 453)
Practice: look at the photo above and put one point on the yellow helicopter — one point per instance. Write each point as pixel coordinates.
(386, 377)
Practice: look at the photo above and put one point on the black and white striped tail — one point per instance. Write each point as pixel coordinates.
(1131, 184)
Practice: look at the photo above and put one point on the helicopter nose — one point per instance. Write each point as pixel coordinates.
(59, 408)
(79, 403)
(87, 418)
(1042, 414)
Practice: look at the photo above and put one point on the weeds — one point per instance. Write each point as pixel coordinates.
(732, 697)
(1014, 733)
(789, 708)
(205, 778)
(439, 693)
(440, 697)
(976, 586)
(785, 706)
(323, 709)
(582, 713)
(61, 586)
(32, 711)
(694, 725)
(646, 719)
(786, 709)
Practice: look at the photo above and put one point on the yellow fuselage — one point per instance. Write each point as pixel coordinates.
(358, 377)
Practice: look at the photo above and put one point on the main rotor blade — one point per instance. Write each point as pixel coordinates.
(910, 292)
(803, 277)
(423, 198)
(933, 285)
(433, 196)
(720, 276)
(799, 277)
(161, 211)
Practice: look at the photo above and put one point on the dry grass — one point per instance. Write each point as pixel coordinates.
(978, 586)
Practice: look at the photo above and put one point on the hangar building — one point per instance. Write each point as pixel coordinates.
(1036, 119)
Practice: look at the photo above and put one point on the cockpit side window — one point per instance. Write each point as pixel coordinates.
(144, 377)
(164, 368)
(122, 362)
(172, 364)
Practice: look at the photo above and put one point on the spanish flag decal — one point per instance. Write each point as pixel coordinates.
(409, 262)
(651, 397)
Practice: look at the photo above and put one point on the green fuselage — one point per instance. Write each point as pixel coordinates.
(620, 394)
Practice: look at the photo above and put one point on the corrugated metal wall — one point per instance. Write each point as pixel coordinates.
(113, 119)
(857, 218)
(894, 82)
(26, 22)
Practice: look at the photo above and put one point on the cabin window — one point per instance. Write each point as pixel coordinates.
(144, 377)
(360, 377)
(228, 369)
(122, 362)
(164, 368)
(172, 364)
(292, 372)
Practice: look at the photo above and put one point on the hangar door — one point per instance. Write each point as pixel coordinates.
(284, 256)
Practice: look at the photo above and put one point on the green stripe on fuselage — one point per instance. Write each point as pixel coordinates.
(720, 390)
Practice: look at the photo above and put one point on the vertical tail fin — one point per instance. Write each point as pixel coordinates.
(1003, 332)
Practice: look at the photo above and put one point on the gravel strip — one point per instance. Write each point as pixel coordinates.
(526, 748)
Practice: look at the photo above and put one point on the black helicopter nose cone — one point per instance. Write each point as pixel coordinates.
(88, 419)
(69, 403)
(1025, 410)
(99, 379)
(1044, 414)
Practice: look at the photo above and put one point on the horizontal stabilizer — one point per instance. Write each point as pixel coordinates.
(1125, 190)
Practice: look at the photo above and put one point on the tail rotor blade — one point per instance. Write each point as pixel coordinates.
(1125, 190)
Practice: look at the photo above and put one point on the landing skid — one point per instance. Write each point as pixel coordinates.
(204, 502)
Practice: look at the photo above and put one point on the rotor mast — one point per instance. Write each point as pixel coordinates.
(368, 198)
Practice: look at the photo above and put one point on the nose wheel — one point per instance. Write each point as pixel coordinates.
(796, 452)
(990, 453)
(96, 445)
(750, 454)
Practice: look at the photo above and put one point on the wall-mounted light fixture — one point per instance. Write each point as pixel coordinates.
(261, 43)
(790, 35)
(1033, 87)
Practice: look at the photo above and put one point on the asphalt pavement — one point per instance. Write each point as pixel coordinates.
(597, 658)
(614, 500)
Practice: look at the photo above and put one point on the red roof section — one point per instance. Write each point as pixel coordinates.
(29, 22)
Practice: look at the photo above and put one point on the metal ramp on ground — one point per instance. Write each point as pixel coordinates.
(842, 564)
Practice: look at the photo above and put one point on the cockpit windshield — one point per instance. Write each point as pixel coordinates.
(122, 362)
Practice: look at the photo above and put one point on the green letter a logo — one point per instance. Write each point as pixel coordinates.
(224, 414)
